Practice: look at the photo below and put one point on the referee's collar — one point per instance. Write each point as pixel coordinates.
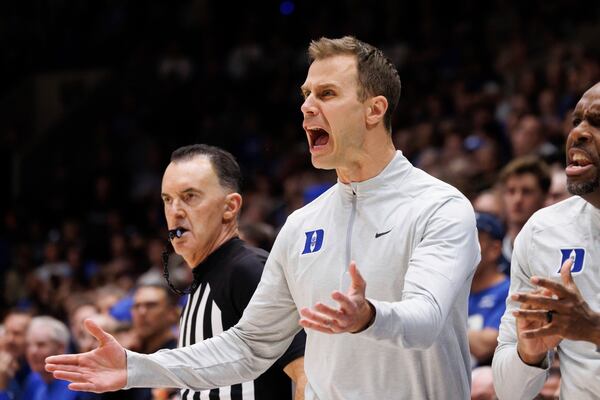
(215, 258)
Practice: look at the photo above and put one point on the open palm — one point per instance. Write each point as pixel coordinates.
(103, 369)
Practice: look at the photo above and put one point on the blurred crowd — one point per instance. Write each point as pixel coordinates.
(488, 89)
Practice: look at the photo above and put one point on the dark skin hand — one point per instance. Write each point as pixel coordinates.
(572, 317)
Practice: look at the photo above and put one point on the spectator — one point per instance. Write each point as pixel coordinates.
(79, 312)
(525, 184)
(47, 336)
(558, 187)
(488, 291)
(14, 369)
(155, 313)
(490, 201)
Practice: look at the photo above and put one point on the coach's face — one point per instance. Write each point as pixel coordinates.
(195, 201)
(583, 146)
(334, 117)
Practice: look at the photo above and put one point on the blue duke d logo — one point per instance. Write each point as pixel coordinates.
(314, 241)
(577, 255)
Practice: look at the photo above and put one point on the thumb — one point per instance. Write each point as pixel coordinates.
(565, 272)
(358, 282)
(94, 329)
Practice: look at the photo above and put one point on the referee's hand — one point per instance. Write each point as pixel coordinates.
(101, 370)
(354, 314)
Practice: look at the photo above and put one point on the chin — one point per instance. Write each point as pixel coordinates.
(321, 162)
(583, 188)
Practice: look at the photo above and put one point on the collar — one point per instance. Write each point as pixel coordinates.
(214, 259)
(393, 173)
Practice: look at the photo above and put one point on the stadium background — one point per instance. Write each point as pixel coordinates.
(96, 95)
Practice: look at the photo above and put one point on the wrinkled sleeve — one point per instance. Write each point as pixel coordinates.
(239, 354)
(513, 379)
(441, 265)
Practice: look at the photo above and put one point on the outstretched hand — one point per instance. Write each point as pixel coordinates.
(560, 311)
(354, 314)
(103, 369)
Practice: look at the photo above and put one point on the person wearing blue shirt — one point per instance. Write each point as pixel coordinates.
(14, 370)
(47, 336)
(488, 291)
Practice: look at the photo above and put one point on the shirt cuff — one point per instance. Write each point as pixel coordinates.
(544, 365)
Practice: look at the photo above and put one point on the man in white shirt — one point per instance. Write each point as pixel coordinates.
(555, 280)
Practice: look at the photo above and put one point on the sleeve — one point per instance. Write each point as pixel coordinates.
(296, 350)
(439, 269)
(245, 281)
(513, 379)
(239, 354)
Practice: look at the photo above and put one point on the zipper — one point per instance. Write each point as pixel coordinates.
(345, 278)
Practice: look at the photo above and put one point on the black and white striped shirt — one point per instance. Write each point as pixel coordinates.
(227, 279)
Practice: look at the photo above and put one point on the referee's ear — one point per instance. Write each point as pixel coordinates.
(233, 205)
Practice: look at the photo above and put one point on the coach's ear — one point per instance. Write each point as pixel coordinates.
(232, 207)
(376, 108)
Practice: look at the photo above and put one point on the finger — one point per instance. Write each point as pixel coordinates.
(84, 387)
(546, 330)
(97, 332)
(532, 315)
(358, 283)
(70, 359)
(346, 305)
(306, 323)
(328, 311)
(315, 316)
(69, 376)
(554, 287)
(319, 320)
(62, 367)
(537, 301)
(565, 273)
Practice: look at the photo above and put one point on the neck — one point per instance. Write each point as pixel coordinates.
(227, 233)
(513, 230)
(485, 277)
(370, 160)
(593, 198)
(154, 343)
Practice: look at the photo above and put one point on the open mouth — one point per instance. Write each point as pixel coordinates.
(317, 137)
(578, 162)
(176, 233)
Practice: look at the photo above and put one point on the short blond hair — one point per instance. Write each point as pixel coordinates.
(377, 75)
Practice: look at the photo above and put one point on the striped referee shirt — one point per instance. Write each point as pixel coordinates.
(227, 279)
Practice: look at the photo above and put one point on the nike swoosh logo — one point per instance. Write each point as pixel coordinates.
(382, 233)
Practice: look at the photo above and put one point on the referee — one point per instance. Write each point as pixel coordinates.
(200, 191)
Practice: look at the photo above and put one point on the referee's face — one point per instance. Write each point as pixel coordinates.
(195, 201)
